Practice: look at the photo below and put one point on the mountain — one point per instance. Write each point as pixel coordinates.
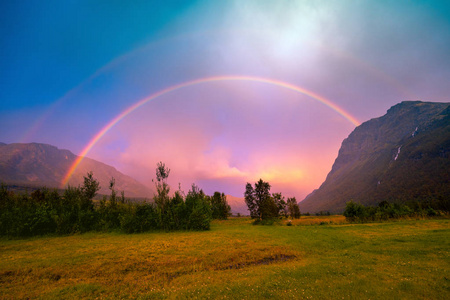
(39, 165)
(238, 205)
(403, 156)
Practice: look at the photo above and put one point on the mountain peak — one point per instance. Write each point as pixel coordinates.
(407, 149)
(45, 165)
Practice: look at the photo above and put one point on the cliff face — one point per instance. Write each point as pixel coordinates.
(45, 165)
(403, 156)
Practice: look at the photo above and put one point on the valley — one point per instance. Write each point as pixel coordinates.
(391, 260)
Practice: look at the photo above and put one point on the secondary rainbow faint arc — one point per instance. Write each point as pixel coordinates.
(138, 104)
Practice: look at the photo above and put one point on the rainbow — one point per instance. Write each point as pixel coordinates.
(138, 104)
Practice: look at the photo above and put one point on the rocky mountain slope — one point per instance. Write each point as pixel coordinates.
(45, 165)
(403, 156)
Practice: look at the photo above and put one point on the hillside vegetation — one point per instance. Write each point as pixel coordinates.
(237, 260)
(47, 212)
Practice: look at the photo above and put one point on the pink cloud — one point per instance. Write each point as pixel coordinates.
(224, 135)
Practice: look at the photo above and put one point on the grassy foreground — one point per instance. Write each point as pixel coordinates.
(396, 260)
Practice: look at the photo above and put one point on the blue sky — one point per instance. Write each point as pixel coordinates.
(67, 68)
(49, 47)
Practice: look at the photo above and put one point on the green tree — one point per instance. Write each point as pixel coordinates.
(180, 216)
(292, 208)
(89, 189)
(259, 201)
(161, 198)
(198, 208)
(278, 198)
(262, 199)
(112, 209)
(219, 206)
(354, 211)
(249, 196)
(162, 187)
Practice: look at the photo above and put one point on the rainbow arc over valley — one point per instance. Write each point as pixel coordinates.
(153, 96)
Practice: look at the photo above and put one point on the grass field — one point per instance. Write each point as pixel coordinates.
(395, 260)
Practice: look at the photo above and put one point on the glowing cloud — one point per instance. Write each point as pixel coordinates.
(138, 104)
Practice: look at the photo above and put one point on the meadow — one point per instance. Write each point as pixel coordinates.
(315, 258)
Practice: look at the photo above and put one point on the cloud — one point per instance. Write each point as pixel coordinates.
(362, 56)
(224, 134)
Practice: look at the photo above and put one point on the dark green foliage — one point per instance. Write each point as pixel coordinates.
(219, 206)
(355, 212)
(261, 204)
(89, 190)
(161, 197)
(323, 213)
(264, 203)
(198, 219)
(178, 209)
(162, 173)
(48, 212)
(431, 212)
(280, 203)
(270, 221)
(140, 217)
(167, 213)
(292, 208)
(250, 201)
(45, 211)
(198, 208)
(268, 208)
(110, 213)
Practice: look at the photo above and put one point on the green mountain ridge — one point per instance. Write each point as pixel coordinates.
(403, 157)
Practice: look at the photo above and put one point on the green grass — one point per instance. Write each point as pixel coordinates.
(391, 260)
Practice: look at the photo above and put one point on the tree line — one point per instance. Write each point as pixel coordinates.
(45, 211)
(265, 207)
(355, 212)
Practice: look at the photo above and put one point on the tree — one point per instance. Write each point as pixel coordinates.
(268, 208)
(259, 201)
(113, 198)
(292, 208)
(161, 198)
(263, 200)
(219, 206)
(162, 188)
(198, 208)
(250, 201)
(110, 211)
(354, 211)
(280, 203)
(90, 186)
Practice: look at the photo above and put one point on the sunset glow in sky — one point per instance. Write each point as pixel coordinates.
(223, 92)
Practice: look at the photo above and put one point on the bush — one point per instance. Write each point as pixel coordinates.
(431, 212)
(355, 212)
(47, 212)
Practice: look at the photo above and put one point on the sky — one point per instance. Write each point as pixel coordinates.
(223, 92)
